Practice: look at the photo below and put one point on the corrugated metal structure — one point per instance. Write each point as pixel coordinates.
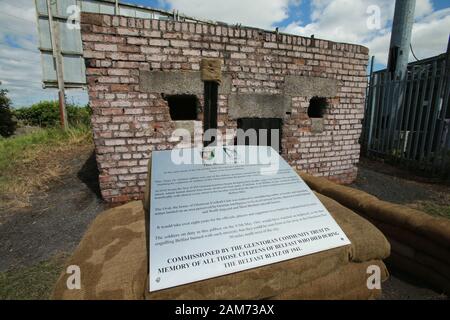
(65, 14)
(408, 121)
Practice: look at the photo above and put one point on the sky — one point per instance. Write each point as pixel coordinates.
(366, 22)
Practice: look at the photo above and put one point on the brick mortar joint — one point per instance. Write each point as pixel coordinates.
(126, 181)
(97, 19)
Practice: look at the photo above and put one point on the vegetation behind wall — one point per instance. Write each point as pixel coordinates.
(7, 122)
(46, 114)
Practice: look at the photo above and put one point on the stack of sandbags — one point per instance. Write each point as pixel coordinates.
(420, 242)
(112, 257)
(211, 69)
(113, 260)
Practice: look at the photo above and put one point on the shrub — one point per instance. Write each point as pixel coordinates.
(79, 115)
(46, 114)
(7, 122)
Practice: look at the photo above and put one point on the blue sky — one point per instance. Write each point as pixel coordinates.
(338, 20)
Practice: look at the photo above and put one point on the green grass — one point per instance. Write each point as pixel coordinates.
(436, 209)
(31, 283)
(13, 149)
(28, 162)
(28, 165)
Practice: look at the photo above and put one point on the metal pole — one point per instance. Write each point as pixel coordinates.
(55, 39)
(399, 55)
(368, 119)
(401, 37)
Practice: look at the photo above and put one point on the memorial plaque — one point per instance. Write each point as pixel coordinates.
(230, 209)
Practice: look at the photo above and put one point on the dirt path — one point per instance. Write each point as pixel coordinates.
(55, 221)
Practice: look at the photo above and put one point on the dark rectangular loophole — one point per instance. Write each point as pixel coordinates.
(262, 123)
(183, 107)
(317, 107)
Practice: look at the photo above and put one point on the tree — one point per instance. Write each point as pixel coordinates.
(7, 122)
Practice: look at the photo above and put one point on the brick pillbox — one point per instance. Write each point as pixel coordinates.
(137, 67)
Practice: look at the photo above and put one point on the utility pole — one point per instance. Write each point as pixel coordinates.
(401, 38)
(57, 56)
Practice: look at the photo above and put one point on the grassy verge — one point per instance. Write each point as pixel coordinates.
(31, 283)
(438, 210)
(28, 162)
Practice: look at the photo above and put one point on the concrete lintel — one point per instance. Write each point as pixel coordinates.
(311, 86)
(178, 82)
(258, 105)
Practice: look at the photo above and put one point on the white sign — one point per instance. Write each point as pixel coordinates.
(228, 210)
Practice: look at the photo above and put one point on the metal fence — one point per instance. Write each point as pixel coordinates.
(408, 120)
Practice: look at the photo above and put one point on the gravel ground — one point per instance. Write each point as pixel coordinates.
(403, 287)
(395, 185)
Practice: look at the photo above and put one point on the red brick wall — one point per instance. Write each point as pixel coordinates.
(128, 124)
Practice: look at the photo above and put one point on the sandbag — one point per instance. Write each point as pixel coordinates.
(347, 282)
(112, 257)
(259, 283)
(352, 198)
(418, 242)
(316, 183)
(421, 258)
(423, 242)
(434, 228)
(368, 242)
(418, 270)
(211, 70)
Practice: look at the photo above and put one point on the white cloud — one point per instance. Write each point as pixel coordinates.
(346, 21)
(423, 7)
(430, 35)
(340, 20)
(261, 13)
